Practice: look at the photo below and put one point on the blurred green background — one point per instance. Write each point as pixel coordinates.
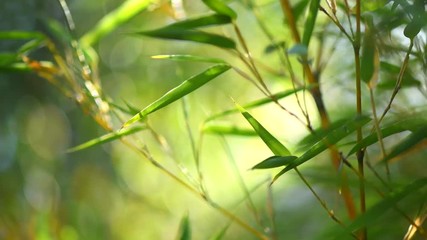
(109, 192)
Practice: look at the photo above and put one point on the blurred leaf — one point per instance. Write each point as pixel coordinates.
(178, 92)
(220, 235)
(113, 20)
(298, 49)
(331, 138)
(191, 35)
(310, 22)
(274, 47)
(31, 45)
(298, 9)
(106, 138)
(184, 232)
(189, 58)
(388, 202)
(8, 58)
(395, 127)
(58, 30)
(257, 103)
(204, 21)
(407, 143)
(369, 59)
(20, 35)
(227, 129)
(220, 7)
(372, 5)
(390, 74)
(275, 146)
(275, 161)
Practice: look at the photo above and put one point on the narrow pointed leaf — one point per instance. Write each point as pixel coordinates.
(227, 129)
(191, 35)
(178, 92)
(310, 22)
(184, 232)
(204, 21)
(220, 234)
(369, 59)
(113, 20)
(275, 146)
(20, 35)
(410, 124)
(256, 103)
(220, 7)
(274, 161)
(188, 58)
(106, 138)
(390, 201)
(331, 139)
(407, 143)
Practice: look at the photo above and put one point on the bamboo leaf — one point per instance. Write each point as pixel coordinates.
(191, 35)
(310, 22)
(227, 129)
(396, 127)
(178, 92)
(274, 161)
(220, 7)
(184, 232)
(407, 143)
(389, 76)
(275, 146)
(113, 20)
(188, 58)
(106, 138)
(331, 139)
(20, 35)
(257, 103)
(388, 202)
(298, 49)
(369, 59)
(204, 21)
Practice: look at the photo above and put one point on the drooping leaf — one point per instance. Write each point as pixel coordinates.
(407, 143)
(310, 22)
(227, 129)
(113, 20)
(188, 58)
(331, 139)
(191, 35)
(178, 92)
(184, 232)
(257, 103)
(410, 124)
(220, 7)
(390, 73)
(274, 161)
(369, 59)
(275, 146)
(106, 138)
(204, 21)
(274, 47)
(388, 202)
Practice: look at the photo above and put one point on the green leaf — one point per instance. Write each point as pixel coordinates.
(7, 59)
(331, 139)
(389, 77)
(395, 127)
(257, 103)
(220, 7)
(220, 234)
(310, 22)
(298, 49)
(274, 161)
(275, 146)
(227, 129)
(184, 232)
(191, 35)
(204, 21)
(178, 92)
(407, 143)
(11, 35)
(388, 202)
(369, 59)
(113, 20)
(106, 138)
(188, 58)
